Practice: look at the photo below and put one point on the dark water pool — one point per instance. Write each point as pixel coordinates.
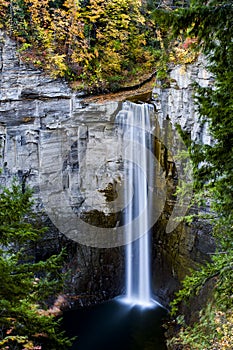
(116, 326)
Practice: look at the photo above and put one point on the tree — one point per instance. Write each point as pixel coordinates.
(100, 45)
(214, 21)
(26, 285)
(116, 40)
(211, 24)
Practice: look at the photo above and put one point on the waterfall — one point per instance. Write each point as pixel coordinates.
(135, 127)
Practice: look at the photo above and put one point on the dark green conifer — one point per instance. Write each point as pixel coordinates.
(26, 284)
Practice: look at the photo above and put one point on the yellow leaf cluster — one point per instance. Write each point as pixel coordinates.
(75, 40)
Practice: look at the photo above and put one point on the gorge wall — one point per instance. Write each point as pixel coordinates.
(33, 109)
(52, 140)
(187, 245)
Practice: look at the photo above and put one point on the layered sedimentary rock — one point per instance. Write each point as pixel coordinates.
(48, 134)
(186, 246)
(175, 99)
(55, 142)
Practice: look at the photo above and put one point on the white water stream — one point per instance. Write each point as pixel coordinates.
(134, 122)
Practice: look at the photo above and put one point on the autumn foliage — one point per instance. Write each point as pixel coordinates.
(97, 44)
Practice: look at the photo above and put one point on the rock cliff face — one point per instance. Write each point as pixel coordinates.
(176, 101)
(45, 130)
(51, 138)
(186, 246)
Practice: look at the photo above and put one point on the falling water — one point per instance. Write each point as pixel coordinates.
(134, 122)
